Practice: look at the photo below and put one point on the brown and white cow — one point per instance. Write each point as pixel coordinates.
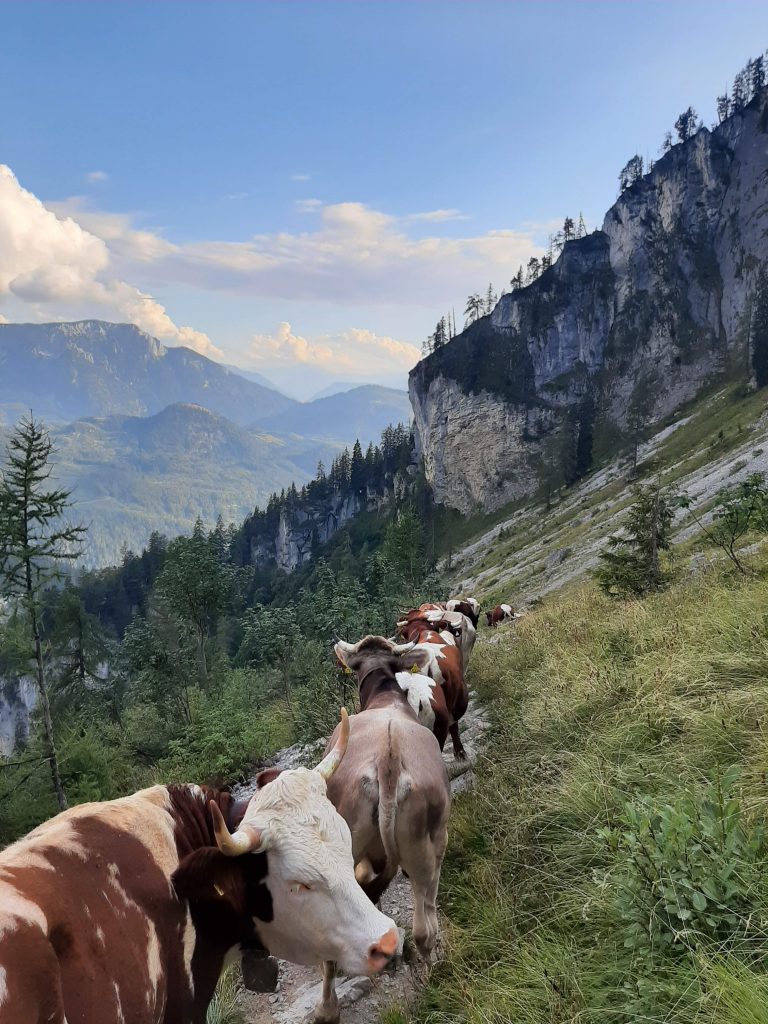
(460, 625)
(392, 789)
(445, 667)
(126, 911)
(467, 606)
(501, 613)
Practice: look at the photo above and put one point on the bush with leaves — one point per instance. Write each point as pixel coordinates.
(738, 511)
(688, 876)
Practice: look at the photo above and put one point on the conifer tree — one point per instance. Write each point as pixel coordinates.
(33, 543)
(630, 566)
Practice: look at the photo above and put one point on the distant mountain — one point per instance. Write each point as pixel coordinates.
(360, 413)
(337, 388)
(257, 378)
(65, 371)
(131, 475)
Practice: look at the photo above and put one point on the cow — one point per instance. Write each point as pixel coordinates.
(127, 910)
(501, 613)
(455, 622)
(446, 668)
(392, 789)
(467, 606)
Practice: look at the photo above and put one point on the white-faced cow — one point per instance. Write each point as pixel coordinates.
(125, 911)
(392, 788)
(467, 606)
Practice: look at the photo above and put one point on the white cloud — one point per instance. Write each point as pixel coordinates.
(60, 269)
(352, 255)
(438, 216)
(308, 205)
(357, 352)
(300, 177)
(96, 176)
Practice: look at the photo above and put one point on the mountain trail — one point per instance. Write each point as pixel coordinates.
(298, 989)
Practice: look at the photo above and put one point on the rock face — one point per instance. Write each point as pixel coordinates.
(627, 324)
(18, 698)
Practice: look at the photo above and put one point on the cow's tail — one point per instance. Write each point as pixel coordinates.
(388, 778)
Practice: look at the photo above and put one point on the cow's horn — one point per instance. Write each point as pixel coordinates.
(347, 647)
(246, 839)
(332, 759)
(402, 648)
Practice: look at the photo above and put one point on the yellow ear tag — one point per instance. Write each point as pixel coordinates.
(218, 889)
(347, 670)
(414, 670)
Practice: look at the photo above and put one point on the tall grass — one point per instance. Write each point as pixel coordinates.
(611, 863)
(224, 1008)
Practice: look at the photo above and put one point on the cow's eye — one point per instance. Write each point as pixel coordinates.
(299, 887)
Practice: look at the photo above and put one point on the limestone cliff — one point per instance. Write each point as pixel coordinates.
(627, 324)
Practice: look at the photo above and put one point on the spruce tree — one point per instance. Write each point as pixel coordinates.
(33, 544)
(630, 566)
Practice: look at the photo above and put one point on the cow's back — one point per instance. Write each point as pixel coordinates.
(90, 928)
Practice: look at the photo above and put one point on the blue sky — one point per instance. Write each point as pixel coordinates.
(302, 188)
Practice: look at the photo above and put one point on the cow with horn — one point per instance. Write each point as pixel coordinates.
(391, 788)
(127, 910)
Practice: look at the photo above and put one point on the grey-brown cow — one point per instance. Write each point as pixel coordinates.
(391, 788)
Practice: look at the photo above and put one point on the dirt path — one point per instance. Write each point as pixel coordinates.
(298, 989)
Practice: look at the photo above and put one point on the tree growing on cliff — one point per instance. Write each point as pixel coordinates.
(490, 299)
(34, 542)
(630, 565)
(631, 172)
(686, 125)
(474, 308)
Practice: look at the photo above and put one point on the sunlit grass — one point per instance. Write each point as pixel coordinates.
(599, 706)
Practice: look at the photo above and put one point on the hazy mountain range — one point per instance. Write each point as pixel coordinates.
(150, 437)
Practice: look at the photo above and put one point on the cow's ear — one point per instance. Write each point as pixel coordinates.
(206, 875)
(417, 659)
(268, 775)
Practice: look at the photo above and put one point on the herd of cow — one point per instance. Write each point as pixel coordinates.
(128, 910)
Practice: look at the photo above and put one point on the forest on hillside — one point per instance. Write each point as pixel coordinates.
(186, 661)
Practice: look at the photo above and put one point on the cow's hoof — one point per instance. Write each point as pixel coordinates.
(327, 1012)
(460, 755)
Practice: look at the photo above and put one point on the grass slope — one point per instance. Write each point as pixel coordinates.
(611, 864)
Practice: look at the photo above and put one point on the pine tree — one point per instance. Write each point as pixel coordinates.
(490, 299)
(723, 107)
(569, 229)
(33, 544)
(630, 566)
(740, 91)
(667, 142)
(756, 72)
(581, 230)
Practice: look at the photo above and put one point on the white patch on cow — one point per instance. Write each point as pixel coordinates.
(3, 985)
(506, 608)
(448, 637)
(100, 934)
(418, 690)
(154, 963)
(195, 790)
(14, 908)
(188, 945)
(435, 653)
(120, 1018)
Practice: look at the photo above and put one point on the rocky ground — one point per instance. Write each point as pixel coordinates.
(298, 990)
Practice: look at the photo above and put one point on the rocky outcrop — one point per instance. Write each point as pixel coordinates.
(18, 699)
(627, 325)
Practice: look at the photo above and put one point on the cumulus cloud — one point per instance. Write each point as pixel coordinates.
(358, 352)
(60, 268)
(352, 255)
(96, 176)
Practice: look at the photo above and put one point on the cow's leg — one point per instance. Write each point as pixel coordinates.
(458, 748)
(327, 1011)
(424, 872)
